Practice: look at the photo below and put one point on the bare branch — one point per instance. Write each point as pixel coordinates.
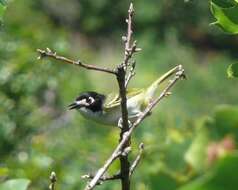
(103, 178)
(102, 170)
(121, 75)
(129, 28)
(131, 73)
(129, 53)
(121, 79)
(179, 73)
(49, 53)
(125, 165)
(137, 160)
(53, 180)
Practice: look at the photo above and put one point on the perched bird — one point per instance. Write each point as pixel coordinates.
(106, 109)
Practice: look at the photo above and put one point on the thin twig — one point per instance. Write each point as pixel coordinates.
(53, 180)
(129, 53)
(49, 53)
(102, 170)
(129, 29)
(131, 73)
(137, 160)
(179, 73)
(103, 178)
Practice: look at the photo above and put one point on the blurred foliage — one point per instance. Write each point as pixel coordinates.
(232, 70)
(2, 9)
(190, 139)
(225, 11)
(13, 184)
(156, 17)
(219, 177)
(226, 14)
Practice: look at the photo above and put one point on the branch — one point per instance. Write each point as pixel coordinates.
(121, 79)
(179, 73)
(49, 53)
(137, 160)
(129, 53)
(102, 170)
(122, 82)
(124, 162)
(129, 29)
(103, 178)
(131, 73)
(121, 73)
(121, 69)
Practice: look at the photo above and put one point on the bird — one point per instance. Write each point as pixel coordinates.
(106, 109)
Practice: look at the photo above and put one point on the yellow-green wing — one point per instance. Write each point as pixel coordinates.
(114, 100)
(133, 92)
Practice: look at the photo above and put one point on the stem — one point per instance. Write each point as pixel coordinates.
(51, 54)
(125, 164)
(121, 79)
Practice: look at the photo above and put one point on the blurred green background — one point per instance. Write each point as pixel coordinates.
(190, 139)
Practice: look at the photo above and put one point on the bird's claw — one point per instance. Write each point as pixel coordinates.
(120, 123)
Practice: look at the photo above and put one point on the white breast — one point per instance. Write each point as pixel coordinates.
(102, 117)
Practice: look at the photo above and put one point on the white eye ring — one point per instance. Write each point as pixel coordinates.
(91, 99)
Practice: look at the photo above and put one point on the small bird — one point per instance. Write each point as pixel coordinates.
(106, 109)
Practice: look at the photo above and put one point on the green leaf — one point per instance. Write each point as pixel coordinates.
(3, 2)
(196, 154)
(226, 120)
(221, 177)
(2, 8)
(4, 171)
(224, 3)
(232, 70)
(15, 184)
(227, 18)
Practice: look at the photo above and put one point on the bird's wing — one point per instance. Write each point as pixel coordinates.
(114, 100)
(151, 90)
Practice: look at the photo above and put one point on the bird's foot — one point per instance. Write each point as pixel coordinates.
(120, 123)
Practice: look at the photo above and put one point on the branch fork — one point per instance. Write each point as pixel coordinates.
(137, 160)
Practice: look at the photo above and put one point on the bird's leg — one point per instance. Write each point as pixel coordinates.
(120, 124)
(129, 123)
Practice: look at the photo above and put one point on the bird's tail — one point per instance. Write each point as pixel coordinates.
(151, 90)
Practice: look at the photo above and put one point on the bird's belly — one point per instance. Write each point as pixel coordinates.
(107, 118)
(112, 118)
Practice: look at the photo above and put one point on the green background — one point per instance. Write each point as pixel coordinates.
(190, 137)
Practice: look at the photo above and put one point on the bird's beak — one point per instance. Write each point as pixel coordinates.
(73, 106)
(78, 104)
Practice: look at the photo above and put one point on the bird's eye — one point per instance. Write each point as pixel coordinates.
(90, 100)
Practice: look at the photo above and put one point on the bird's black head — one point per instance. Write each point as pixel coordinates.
(90, 100)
